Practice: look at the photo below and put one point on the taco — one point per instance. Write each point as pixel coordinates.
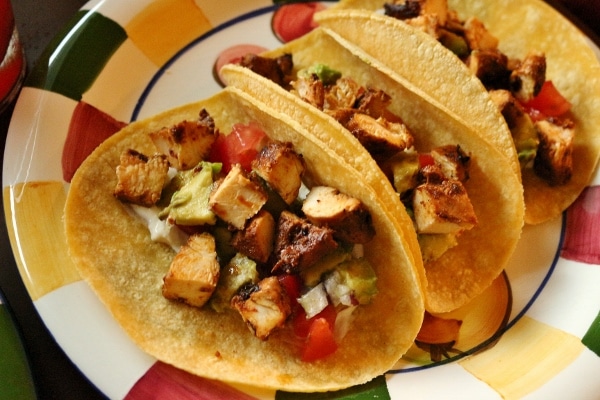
(458, 260)
(233, 315)
(540, 72)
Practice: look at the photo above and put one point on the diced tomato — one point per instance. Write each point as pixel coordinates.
(320, 341)
(239, 147)
(425, 159)
(302, 325)
(292, 285)
(548, 103)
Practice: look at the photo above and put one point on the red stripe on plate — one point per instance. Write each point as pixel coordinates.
(88, 128)
(163, 381)
(582, 235)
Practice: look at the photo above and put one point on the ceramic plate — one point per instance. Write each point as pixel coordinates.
(120, 61)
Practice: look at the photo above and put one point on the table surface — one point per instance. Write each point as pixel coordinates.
(55, 376)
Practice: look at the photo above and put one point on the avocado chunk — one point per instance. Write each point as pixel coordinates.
(325, 74)
(313, 275)
(189, 205)
(434, 245)
(352, 281)
(240, 271)
(404, 167)
(525, 138)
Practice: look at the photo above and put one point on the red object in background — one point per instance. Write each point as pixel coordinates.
(291, 21)
(12, 59)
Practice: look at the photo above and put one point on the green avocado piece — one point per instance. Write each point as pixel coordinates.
(189, 205)
(239, 272)
(325, 74)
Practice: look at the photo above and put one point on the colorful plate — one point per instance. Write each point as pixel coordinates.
(119, 61)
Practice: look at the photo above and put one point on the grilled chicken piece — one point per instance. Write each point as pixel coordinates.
(508, 106)
(527, 78)
(194, 271)
(299, 244)
(375, 103)
(343, 94)
(282, 168)
(490, 66)
(236, 198)
(188, 142)
(554, 159)
(256, 240)
(453, 161)
(278, 69)
(311, 90)
(141, 179)
(346, 215)
(478, 37)
(403, 9)
(381, 138)
(264, 307)
(443, 208)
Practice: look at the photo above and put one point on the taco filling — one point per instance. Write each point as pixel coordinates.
(535, 111)
(250, 237)
(430, 185)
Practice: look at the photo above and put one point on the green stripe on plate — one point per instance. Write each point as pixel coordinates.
(77, 55)
(15, 376)
(375, 389)
(592, 337)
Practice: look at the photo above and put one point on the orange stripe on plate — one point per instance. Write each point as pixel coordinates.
(34, 218)
(165, 26)
(528, 355)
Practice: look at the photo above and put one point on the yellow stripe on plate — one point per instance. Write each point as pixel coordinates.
(528, 355)
(34, 218)
(166, 26)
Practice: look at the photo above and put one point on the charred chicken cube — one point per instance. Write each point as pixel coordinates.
(477, 35)
(236, 198)
(453, 161)
(188, 142)
(282, 168)
(527, 78)
(554, 159)
(344, 94)
(256, 240)
(443, 207)
(439, 8)
(264, 307)
(403, 9)
(491, 67)
(299, 244)
(140, 179)
(381, 138)
(311, 90)
(277, 69)
(346, 215)
(194, 271)
(428, 23)
(375, 103)
(508, 106)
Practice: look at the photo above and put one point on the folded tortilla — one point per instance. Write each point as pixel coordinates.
(494, 188)
(115, 255)
(520, 26)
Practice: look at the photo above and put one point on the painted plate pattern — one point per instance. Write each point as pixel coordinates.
(120, 61)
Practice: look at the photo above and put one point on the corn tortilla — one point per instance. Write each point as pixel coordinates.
(115, 255)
